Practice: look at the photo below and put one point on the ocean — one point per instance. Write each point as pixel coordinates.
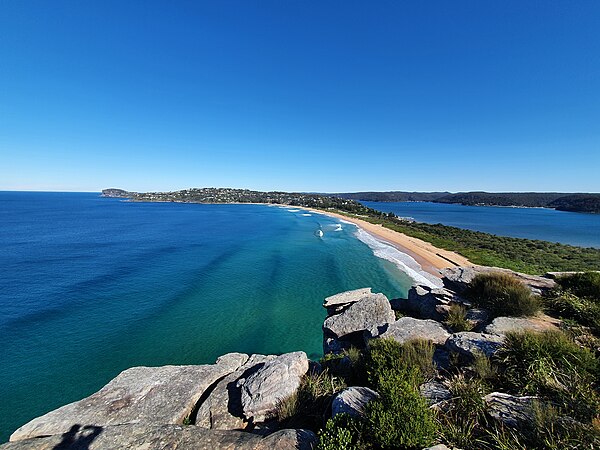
(91, 286)
(572, 228)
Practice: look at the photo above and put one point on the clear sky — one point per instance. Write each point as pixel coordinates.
(300, 95)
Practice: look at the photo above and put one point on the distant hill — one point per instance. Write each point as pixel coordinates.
(588, 203)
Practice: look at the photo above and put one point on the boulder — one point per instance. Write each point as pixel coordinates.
(333, 345)
(222, 409)
(277, 380)
(352, 401)
(478, 317)
(344, 299)
(407, 328)
(437, 447)
(160, 437)
(503, 325)
(427, 302)
(459, 278)
(434, 392)
(468, 343)
(365, 314)
(144, 395)
(510, 410)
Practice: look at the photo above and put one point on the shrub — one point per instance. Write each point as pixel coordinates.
(585, 284)
(503, 295)
(457, 318)
(568, 306)
(343, 432)
(419, 353)
(400, 417)
(482, 367)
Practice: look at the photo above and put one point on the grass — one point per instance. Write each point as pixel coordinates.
(457, 319)
(503, 295)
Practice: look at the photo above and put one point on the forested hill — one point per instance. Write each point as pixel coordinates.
(589, 203)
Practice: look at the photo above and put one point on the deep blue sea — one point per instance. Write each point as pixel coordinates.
(90, 286)
(532, 223)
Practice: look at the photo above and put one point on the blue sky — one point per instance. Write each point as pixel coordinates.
(300, 95)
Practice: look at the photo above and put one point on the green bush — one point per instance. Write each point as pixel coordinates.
(400, 417)
(457, 319)
(419, 353)
(503, 295)
(569, 306)
(551, 365)
(585, 284)
(343, 432)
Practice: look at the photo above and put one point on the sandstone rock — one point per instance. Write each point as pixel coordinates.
(274, 382)
(333, 345)
(346, 298)
(437, 447)
(469, 343)
(367, 313)
(459, 278)
(146, 395)
(407, 328)
(510, 410)
(160, 437)
(430, 303)
(503, 325)
(222, 409)
(478, 317)
(434, 392)
(352, 401)
(289, 440)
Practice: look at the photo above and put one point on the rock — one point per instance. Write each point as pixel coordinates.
(145, 395)
(367, 313)
(429, 303)
(459, 278)
(333, 345)
(160, 437)
(468, 343)
(437, 447)
(289, 440)
(222, 409)
(478, 317)
(346, 298)
(434, 392)
(352, 401)
(274, 382)
(510, 410)
(407, 328)
(503, 325)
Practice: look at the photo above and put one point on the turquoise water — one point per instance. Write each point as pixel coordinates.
(92, 286)
(532, 223)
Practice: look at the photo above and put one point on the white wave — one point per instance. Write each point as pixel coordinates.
(346, 222)
(338, 227)
(293, 210)
(307, 215)
(404, 262)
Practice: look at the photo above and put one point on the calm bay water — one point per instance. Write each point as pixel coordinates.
(92, 286)
(531, 223)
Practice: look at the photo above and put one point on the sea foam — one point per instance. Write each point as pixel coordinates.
(404, 262)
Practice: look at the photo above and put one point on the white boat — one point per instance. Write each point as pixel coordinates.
(319, 233)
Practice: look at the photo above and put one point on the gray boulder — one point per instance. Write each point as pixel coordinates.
(344, 299)
(459, 278)
(503, 325)
(428, 302)
(144, 395)
(434, 392)
(367, 313)
(478, 317)
(274, 382)
(468, 343)
(160, 437)
(222, 409)
(510, 410)
(407, 328)
(352, 401)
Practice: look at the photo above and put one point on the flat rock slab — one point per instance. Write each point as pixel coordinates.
(469, 343)
(145, 395)
(503, 325)
(369, 312)
(352, 401)
(275, 381)
(345, 298)
(510, 410)
(160, 437)
(222, 410)
(407, 328)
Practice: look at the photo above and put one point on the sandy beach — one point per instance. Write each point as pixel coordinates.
(430, 258)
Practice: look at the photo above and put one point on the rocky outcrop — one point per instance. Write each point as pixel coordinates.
(344, 299)
(469, 344)
(459, 278)
(407, 328)
(503, 325)
(434, 392)
(352, 401)
(510, 410)
(426, 302)
(160, 437)
(222, 409)
(143, 395)
(275, 381)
